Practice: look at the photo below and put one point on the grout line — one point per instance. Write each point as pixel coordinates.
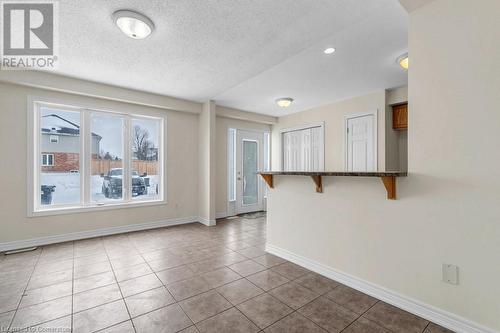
(119, 288)
(199, 238)
(24, 291)
(359, 316)
(164, 286)
(428, 324)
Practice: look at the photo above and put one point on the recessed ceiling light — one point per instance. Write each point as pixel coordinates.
(284, 102)
(329, 50)
(403, 61)
(133, 24)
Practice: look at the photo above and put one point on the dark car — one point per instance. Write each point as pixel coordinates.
(113, 183)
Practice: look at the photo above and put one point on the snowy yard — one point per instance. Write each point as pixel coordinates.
(67, 189)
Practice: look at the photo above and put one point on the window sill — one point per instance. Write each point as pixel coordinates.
(94, 208)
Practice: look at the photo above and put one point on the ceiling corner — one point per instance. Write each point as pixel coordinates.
(412, 5)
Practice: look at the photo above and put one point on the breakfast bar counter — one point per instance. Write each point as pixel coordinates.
(388, 178)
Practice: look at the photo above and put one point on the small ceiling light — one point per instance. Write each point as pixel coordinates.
(403, 61)
(329, 50)
(284, 102)
(132, 24)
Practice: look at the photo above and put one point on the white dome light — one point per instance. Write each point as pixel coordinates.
(284, 102)
(403, 61)
(132, 24)
(329, 50)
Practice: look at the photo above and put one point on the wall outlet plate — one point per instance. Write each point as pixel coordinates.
(450, 274)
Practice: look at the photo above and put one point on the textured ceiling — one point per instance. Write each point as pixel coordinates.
(364, 61)
(242, 53)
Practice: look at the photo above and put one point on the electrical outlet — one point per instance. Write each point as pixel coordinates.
(450, 274)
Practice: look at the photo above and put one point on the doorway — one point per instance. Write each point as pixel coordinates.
(361, 142)
(249, 161)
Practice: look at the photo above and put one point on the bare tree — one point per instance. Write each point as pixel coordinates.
(141, 143)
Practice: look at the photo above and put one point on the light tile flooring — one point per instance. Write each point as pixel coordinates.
(188, 278)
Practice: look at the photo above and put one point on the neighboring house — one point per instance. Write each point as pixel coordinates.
(60, 145)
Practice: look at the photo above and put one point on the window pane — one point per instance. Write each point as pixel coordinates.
(107, 157)
(231, 168)
(250, 165)
(60, 169)
(146, 177)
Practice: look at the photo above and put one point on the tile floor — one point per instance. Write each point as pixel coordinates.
(188, 278)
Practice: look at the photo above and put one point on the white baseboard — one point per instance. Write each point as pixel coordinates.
(221, 215)
(429, 312)
(7, 246)
(207, 222)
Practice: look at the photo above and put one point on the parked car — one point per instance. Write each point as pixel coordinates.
(113, 183)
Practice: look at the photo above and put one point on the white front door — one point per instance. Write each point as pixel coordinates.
(249, 161)
(361, 143)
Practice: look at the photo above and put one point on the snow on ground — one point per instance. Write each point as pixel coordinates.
(67, 189)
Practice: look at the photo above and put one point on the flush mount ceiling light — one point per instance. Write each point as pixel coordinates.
(284, 102)
(133, 24)
(403, 61)
(329, 50)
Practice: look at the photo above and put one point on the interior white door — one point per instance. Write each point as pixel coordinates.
(249, 161)
(361, 143)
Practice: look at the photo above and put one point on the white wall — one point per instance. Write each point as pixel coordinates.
(333, 115)
(181, 141)
(448, 208)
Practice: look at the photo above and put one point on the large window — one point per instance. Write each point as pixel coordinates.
(89, 159)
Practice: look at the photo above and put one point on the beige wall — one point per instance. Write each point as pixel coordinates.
(223, 124)
(448, 208)
(397, 95)
(334, 116)
(207, 164)
(181, 167)
(396, 146)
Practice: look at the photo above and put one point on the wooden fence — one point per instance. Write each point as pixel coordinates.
(103, 166)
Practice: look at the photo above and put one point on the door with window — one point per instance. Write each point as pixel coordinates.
(249, 161)
(361, 143)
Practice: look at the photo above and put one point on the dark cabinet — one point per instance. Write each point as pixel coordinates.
(400, 117)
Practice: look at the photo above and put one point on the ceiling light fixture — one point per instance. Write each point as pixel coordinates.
(133, 24)
(403, 61)
(329, 50)
(284, 102)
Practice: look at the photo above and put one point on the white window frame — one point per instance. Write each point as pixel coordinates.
(34, 207)
(47, 158)
(231, 164)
